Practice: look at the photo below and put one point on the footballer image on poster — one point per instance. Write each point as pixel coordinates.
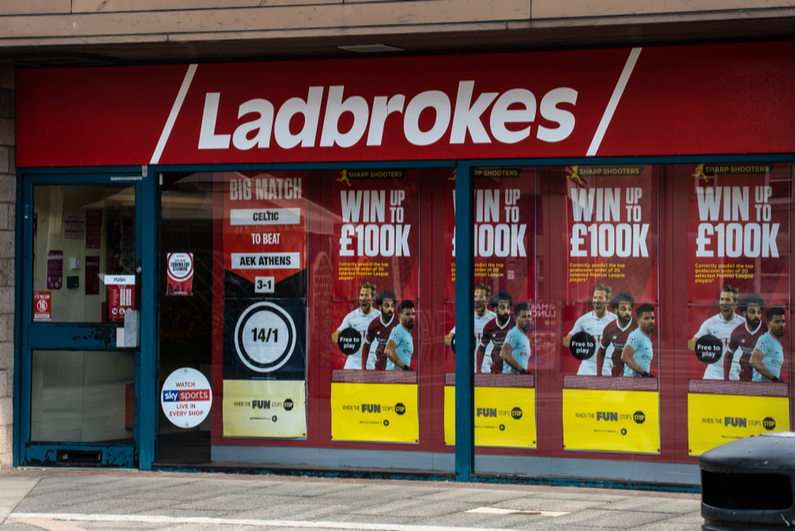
(505, 338)
(374, 348)
(610, 344)
(738, 287)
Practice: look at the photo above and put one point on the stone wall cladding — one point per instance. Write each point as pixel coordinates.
(7, 262)
(93, 22)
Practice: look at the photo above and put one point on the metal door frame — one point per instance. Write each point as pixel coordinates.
(86, 336)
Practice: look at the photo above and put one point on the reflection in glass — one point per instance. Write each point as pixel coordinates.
(82, 396)
(186, 227)
(80, 234)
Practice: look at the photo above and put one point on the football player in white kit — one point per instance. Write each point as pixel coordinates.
(721, 326)
(482, 316)
(594, 323)
(359, 319)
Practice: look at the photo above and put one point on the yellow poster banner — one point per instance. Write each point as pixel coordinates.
(611, 421)
(265, 408)
(713, 420)
(374, 412)
(504, 417)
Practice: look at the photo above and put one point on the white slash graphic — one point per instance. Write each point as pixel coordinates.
(613, 103)
(172, 117)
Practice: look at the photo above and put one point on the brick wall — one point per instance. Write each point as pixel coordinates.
(7, 238)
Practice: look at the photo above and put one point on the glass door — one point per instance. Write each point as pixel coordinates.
(81, 354)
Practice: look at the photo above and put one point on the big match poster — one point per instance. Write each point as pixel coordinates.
(610, 232)
(504, 257)
(263, 307)
(375, 244)
(738, 270)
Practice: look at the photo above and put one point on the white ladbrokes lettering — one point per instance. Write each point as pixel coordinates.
(509, 121)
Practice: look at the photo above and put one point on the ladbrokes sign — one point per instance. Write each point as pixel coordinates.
(552, 104)
(259, 120)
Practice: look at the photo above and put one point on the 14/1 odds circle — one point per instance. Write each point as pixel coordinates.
(265, 337)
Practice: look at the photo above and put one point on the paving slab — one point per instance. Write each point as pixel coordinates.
(416, 508)
(116, 526)
(654, 505)
(551, 526)
(545, 504)
(212, 527)
(186, 493)
(14, 484)
(566, 494)
(348, 499)
(309, 489)
(688, 518)
(104, 506)
(224, 502)
(400, 490)
(13, 491)
(364, 519)
(601, 518)
(479, 496)
(474, 520)
(267, 510)
(668, 526)
(86, 484)
(347, 503)
(181, 513)
(10, 525)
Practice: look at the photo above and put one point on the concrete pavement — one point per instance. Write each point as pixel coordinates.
(13, 490)
(74, 500)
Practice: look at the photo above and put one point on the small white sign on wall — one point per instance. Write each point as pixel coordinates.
(186, 398)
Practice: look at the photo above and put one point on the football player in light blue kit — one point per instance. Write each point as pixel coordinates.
(638, 353)
(768, 355)
(516, 348)
(400, 346)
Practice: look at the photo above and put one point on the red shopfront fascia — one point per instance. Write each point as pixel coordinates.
(688, 100)
(650, 102)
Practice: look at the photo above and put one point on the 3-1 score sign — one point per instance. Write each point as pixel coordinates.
(263, 285)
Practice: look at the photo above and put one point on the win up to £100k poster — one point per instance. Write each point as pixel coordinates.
(504, 293)
(738, 292)
(375, 266)
(609, 350)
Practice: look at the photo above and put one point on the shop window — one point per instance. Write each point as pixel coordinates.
(285, 290)
(84, 253)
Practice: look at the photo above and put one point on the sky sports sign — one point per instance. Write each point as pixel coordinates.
(583, 103)
(186, 397)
